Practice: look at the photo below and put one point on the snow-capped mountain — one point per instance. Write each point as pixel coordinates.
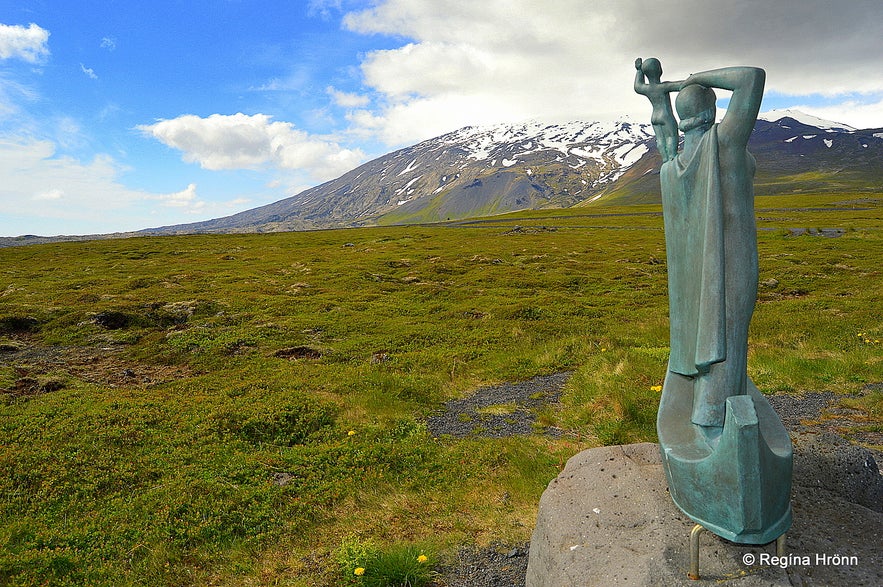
(806, 119)
(795, 153)
(486, 170)
(790, 144)
(468, 172)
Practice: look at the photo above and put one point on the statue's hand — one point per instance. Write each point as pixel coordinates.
(638, 63)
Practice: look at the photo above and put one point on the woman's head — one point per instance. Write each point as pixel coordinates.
(696, 106)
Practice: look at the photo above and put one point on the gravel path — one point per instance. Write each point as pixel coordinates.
(495, 566)
(501, 565)
(497, 411)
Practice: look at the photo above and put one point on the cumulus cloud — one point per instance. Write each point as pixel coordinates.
(240, 141)
(30, 44)
(481, 62)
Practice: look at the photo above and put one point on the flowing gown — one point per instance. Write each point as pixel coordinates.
(711, 247)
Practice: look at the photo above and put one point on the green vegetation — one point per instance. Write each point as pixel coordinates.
(362, 563)
(242, 409)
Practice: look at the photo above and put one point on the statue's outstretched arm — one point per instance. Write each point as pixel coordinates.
(640, 86)
(670, 87)
(746, 83)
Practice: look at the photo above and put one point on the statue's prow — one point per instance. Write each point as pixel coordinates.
(734, 480)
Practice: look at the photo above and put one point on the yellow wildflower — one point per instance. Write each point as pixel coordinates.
(656, 388)
(359, 571)
(351, 433)
(422, 558)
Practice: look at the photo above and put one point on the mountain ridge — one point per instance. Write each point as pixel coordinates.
(467, 172)
(480, 171)
(486, 170)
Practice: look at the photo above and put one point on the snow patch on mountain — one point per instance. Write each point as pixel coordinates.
(534, 136)
(627, 155)
(803, 118)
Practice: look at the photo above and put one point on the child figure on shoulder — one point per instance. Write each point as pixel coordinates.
(657, 91)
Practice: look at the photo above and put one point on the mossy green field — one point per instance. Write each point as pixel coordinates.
(231, 409)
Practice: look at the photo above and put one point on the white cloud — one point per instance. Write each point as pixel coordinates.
(273, 85)
(41, 185)
(852, 112)
(30, 44)
(108, 43)
(12, 93)
(44, 193)
(240, 141)
(501, 60)
(186, 198)
(90, 73)
(323, 8)
(50, 195)
(346, 99)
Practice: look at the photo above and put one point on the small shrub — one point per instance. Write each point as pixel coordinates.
(291, 424)
(404, 565)
(298, 352)
(529, 313)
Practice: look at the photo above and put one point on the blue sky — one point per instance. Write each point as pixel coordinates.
(118, 116)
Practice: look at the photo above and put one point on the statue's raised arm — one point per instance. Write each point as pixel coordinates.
(746, 83)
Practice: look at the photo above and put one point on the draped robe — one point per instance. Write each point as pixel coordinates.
(711, 247)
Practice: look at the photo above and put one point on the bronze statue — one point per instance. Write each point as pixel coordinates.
(726, 454)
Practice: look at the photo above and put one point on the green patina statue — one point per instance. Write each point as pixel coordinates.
(726, 454)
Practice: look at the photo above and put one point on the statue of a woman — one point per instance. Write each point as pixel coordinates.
(711, 241)
(726, 454)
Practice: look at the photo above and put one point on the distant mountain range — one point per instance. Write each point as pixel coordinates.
(795, 153)
(477, 171)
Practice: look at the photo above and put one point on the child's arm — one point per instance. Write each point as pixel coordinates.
(669, 87)
(640, 86)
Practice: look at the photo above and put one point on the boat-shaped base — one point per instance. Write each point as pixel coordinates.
(734, 480)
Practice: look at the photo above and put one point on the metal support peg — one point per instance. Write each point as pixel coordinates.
(780, 545)
(694, 551)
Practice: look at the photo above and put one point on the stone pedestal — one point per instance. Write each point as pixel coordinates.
(608, 519)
